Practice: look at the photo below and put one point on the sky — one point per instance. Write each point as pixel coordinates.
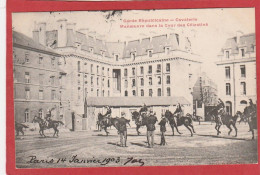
(206, 41)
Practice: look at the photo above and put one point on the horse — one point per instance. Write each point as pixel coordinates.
(226, 119)
(136, 116)
(196, 118)
(178, 121)
(252, 119)
(105, 122)
(19, 128)
(52, 124)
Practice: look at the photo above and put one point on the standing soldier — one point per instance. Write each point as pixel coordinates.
(123, 130)
(163, 129)
(151, 120)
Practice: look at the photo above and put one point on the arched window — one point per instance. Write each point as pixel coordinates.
(229, 107)
(142, 92)
(41, 113)
(150, 81)
(26, 115)
(159, 80)
(134, 94)
(126, 93)
(243, 102)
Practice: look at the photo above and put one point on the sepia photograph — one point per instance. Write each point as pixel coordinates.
(130, 88)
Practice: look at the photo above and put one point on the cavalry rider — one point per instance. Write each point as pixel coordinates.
(48, 118)
(221, 110)
(178, 110)
(108, 114)
(143, 112)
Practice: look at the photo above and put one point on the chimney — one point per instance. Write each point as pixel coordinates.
(42, 33)
(35, 33)
(71, 26)
(238, 35)
(62, 32)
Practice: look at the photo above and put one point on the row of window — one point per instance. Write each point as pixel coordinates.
(242, 71)
(40, 59)
(242, 88)
(150, 82)
(40, 94)
(99, 93)
(242, 52)
(159, 92)
(150, 69)
(41, 78)
(92, 68)
(27, 114)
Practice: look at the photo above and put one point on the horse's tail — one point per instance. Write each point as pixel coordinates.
(24, 125)
(60, 122)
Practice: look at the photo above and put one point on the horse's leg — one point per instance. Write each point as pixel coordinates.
(219, 129)
(192, 127)
(230, 129)
(137, 129)
(105, 128)
(175, 125)
(216, 127)
(234, 125)
(187, 126)
(253, 134)
(172, 126)
(22, 132)
(43, 133)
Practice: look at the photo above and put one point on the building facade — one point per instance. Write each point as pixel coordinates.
(238, 72)
(156, 66)
(205, 96)
(37, 80)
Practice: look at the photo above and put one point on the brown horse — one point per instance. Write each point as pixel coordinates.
(251, 119)
(52, 124)
(19, 128)
(136, 117)
(105, 122)
(226, 119)
(178, 121)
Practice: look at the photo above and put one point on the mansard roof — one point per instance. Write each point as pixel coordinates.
(247, 41)
(22, 40)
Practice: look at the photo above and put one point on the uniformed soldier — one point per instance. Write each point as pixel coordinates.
(108, 114)
(122, 129)
(178, 110)
(221, 110)
(143, 112)
(162, 124)
(48, 118)
(151, 120)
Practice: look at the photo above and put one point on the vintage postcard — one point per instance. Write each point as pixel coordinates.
(134, 88)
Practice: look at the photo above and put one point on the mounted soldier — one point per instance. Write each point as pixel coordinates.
(221, 110)
(48, 118)
(178, 111)
(108, 114)
(143, 112)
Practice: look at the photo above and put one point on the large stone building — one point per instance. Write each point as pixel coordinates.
(37, 80)
(237, 67)
(205, 96)
(156, 66)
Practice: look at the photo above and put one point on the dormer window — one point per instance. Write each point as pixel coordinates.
(150, 53)
(116, 57)
(167, 50)
(227, 54)
(242, 51)
(91, 50)
(133, 55)
(102, 53)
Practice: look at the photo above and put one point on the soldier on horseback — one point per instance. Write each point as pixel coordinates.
(48, 118)
(108, 114)
(143, 112)
(221, 110)
(178, 111)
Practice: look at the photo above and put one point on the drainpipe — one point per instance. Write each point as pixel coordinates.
(162, 80)
(234, 88)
